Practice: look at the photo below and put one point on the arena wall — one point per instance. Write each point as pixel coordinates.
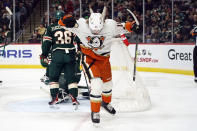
(169, 58)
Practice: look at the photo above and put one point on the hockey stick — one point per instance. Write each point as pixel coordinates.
(8, 10)
(84, 94)
(88, 94)
(135, 18)
(6, 43)
(135, 61)
(136, 46)
(10, 13)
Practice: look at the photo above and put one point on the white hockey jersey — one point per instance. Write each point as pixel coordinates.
(101, 43)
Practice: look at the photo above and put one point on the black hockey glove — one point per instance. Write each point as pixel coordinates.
(137, 29)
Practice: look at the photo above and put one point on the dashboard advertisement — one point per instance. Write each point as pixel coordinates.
(164, 56)
(20, 54)
(155, 56)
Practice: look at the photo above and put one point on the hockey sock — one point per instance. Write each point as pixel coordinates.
(54, 92)
(73, 92)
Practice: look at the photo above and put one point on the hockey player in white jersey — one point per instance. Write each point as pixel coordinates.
(96, 35)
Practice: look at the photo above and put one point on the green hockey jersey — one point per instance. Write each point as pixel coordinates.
(55, 38)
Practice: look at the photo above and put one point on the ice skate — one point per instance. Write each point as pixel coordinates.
(1, 83)
(45, 80)
(108, 107)
(95, 117)
(53, 103)
(195, 79)
(74, 102)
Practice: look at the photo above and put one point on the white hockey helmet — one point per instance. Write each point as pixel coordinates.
(96, 21)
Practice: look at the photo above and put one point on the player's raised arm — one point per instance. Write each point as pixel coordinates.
(132, 27)
(129, 26)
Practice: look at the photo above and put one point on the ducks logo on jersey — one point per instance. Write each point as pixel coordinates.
(95, 42)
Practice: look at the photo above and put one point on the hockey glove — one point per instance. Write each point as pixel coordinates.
(137, 29)
(68, 21)
(129, 25)
(44, 61)
(133, 27)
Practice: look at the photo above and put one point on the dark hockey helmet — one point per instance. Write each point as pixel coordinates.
(68, 21)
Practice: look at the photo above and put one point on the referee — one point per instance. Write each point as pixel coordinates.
(194, 34)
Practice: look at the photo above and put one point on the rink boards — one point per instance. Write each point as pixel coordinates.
(170, 58)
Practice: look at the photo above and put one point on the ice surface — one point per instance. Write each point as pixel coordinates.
(23, 106)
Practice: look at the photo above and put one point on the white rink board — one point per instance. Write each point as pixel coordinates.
(164, 56)
(149, 55)
(21, 54)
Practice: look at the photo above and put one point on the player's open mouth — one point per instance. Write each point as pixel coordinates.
(95, 32)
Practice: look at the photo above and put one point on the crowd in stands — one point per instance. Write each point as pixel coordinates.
(159, 20)
(38, 33)
(158, 16)
(23, 9)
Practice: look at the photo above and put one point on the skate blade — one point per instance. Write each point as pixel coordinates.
(107, 112)
(97, 125)
(55, 107)
(76, 107)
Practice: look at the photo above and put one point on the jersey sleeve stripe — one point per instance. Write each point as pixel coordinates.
(48, 38)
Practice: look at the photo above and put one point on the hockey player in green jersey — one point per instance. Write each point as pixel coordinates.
(60, 42)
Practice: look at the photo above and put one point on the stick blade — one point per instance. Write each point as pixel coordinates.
(8, 10)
